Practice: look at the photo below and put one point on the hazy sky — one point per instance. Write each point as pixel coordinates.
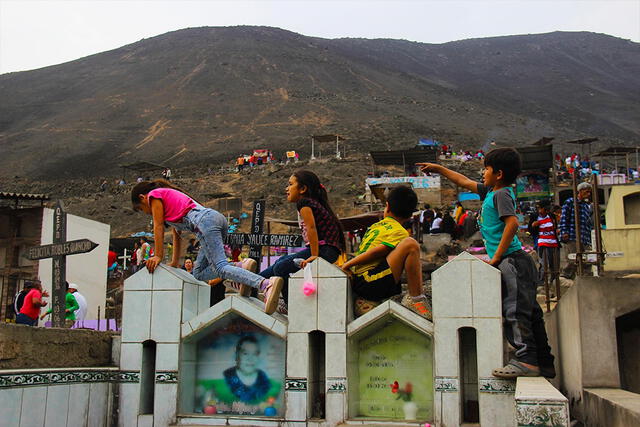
(35, 34)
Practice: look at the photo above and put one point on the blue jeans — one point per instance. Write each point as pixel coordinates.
(23, 319)
(210, 228)
(285, 266)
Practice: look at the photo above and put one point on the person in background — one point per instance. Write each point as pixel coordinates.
(192, 249)
(458, 212)
(81, 313)
(568, 227)
(436, 225)
(546, 229)
(71, 306)
(33, 302)
(134, 258)
(18, 301)
(188, 266)
(112, 261)
(146, 252)
(448, 224)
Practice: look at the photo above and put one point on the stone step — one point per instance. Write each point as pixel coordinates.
(611, 407)
(539, 403)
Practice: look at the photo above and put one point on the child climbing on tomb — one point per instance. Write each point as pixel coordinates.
(169, 205)
(524, 324)
(385, 252)
(321, 229)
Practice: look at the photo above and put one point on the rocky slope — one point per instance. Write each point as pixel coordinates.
(199, 97)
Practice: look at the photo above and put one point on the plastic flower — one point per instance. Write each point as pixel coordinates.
(395, 387)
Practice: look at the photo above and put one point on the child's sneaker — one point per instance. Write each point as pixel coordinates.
(282, 307)
(418, 305)
(272, 294)
(251, 265)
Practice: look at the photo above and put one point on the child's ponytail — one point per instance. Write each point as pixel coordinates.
(317, 191)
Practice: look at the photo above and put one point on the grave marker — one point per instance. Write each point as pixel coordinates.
(58, 251)
(256, 239)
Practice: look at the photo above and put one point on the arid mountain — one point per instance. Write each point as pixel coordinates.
(204, 95)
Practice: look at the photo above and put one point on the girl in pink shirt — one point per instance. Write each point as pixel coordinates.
(169, 205)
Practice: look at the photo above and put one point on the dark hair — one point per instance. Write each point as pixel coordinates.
(246, 338)
(316, 191)
(545, 204)
(144, 187)
(402, 201)
(507, 160)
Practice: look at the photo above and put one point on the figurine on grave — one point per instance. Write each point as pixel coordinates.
(170, 205)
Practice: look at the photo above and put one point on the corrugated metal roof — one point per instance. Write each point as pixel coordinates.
(23, 196)
(617, 151)
(405, 157)
(536, 157)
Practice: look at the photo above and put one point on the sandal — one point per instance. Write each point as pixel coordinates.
(515, 369)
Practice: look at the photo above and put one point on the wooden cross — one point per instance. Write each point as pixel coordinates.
(58, 251)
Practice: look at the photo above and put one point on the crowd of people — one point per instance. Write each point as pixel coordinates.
(387, 250)
(585, 167)
(30, 301)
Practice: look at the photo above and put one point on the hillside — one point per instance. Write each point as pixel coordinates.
(204, 95)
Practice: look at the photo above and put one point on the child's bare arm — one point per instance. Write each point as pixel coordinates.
(312, 234)
(455, 177)
(375, 253)
(510, 229)
(157, 211)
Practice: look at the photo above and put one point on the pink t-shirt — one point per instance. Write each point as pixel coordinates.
(176, 204)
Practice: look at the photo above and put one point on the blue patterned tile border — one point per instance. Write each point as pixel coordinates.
(295, 384)
(167, 377)
(446, 384)
(25, 379)
(336, 385)
(497, 385)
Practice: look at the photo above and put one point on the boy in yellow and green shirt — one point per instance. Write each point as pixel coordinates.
(385, 252)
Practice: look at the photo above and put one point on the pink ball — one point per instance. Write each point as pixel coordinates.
(309, 288)
(210, 410)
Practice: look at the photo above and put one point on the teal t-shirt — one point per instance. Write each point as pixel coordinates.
(496, 205)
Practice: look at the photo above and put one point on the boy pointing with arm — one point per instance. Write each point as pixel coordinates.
(524, 324)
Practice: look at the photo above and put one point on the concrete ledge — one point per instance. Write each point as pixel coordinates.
(539, 403)
(611, 407)
(26, 347)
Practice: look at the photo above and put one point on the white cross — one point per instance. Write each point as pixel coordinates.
(124, 259)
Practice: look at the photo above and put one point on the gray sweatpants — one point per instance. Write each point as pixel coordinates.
(523, 321)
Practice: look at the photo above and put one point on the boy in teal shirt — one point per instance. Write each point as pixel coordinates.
(524, 324)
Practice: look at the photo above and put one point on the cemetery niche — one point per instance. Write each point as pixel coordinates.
(393, 372)
(239, 370)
